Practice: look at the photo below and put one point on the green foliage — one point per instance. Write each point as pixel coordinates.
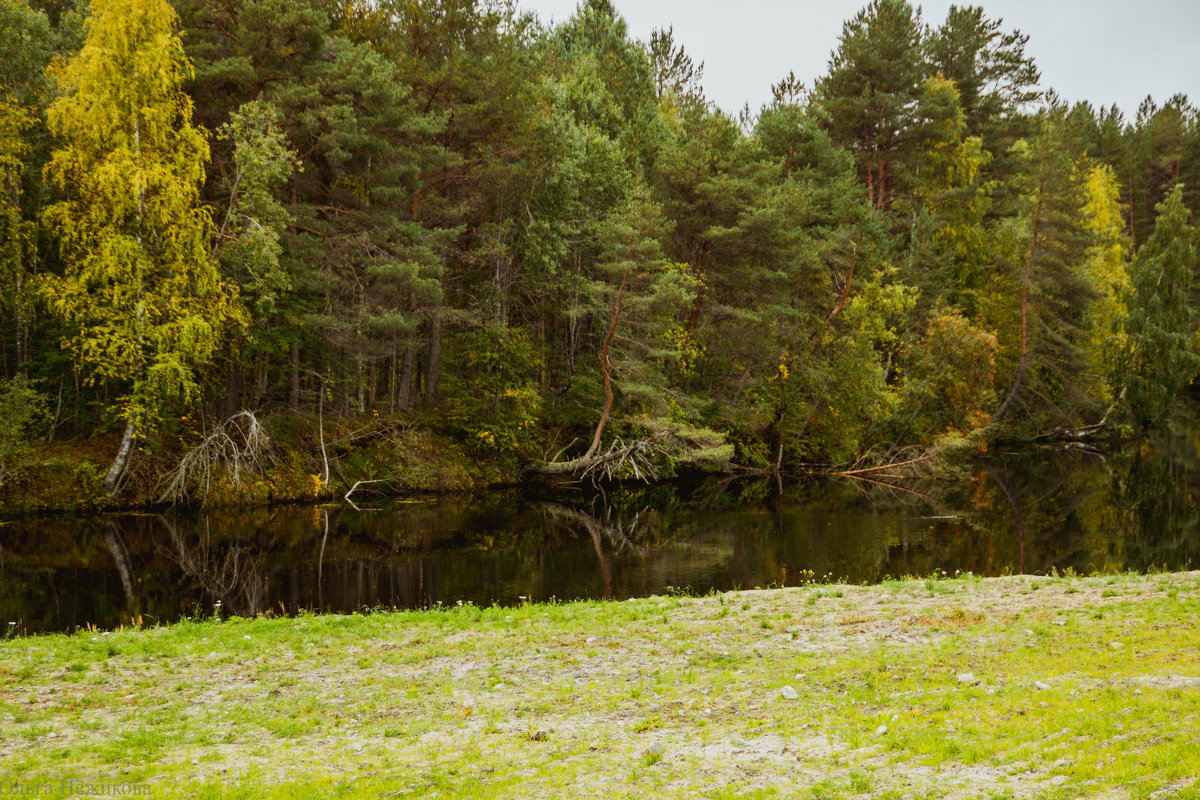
(492, 398)
(1161, 356)
(22, 411)
(248, 242)
(868, 101)
(949, 384)
(522, 231)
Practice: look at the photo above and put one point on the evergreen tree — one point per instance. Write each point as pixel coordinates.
(1162, 354)
(869, 99)
(1042, 332)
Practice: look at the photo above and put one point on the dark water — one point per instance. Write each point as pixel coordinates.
(1030, 512)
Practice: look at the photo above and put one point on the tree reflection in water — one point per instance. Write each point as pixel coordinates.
(1031, 511)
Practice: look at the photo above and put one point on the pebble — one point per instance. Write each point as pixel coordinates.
(1059, 780)
(52, 735)
(789, 693)
(591, 639)
(966, 677)
(1042, 686)
(1137, 691)
(657, 749)
(497, 687)
(1116, 645)
(881, 730)
(195, 762)
(739, 742)
(1060, 622)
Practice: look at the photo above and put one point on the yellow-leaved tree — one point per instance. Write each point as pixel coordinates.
(1105, 271)
(147, 304)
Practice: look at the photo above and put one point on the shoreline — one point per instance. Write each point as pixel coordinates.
(955, 687)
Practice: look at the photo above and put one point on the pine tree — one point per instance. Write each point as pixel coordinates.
(1162, 356)
(869, 99)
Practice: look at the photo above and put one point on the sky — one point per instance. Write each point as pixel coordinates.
(1102, 51)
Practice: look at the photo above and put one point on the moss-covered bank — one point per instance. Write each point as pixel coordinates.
(69, 476)
(1015, 687)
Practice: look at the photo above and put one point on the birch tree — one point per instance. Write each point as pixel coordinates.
(147, 305)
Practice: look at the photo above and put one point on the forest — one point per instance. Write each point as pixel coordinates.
(224, 221)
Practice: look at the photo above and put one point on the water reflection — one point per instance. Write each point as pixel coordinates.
(1025, 512)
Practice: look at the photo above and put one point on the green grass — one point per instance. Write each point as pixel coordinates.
(1081, 688)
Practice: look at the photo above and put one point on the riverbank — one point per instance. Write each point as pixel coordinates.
(387, 456)
(1010, 687)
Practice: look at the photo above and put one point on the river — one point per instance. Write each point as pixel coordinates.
(1037, 511)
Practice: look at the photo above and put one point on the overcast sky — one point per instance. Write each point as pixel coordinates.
(1103, 51)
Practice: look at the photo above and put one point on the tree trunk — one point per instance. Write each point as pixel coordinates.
(233, 387)
(120, 466)
(606, 371)
(434, 355)
(1024, 358)
(404, 392)
(294, 394)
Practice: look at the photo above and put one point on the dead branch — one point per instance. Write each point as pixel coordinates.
(363, 483)
(851, 473)
(238, 446)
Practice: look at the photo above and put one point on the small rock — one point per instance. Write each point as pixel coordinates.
(1028, 632)
(1042, 686)
(991, 690)
(498, 687)
(591, 639)
(539, 736)
(1060, 622)
(789, 693)
(966, 677)
(1062, 762)
(739, 742)
(1059, 780)
(1043, 704)
(657, 749)
(52, 735)
(195, 762)
(881, 730)
(1116, 645)
(1137, 691)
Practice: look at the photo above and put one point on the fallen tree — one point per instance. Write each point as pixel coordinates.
(662, 448)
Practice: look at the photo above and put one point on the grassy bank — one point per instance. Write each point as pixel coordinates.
(1012, 687)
